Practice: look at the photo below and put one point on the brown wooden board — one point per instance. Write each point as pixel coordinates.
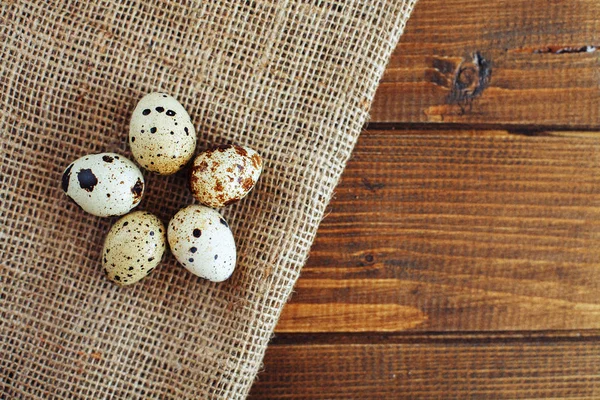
(454, 231)
(519, 62)
(435, 370)
(460, 254)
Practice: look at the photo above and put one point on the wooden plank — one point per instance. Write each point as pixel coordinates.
(457, 232)
(456, 370)
(537, 64)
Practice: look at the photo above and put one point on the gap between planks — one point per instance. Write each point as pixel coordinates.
(491, 130)
(474, 337)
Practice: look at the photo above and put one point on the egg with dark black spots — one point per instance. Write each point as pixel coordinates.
(200, 239)
(161, 134)
(105, 184)
(133, 247)
(224, 174)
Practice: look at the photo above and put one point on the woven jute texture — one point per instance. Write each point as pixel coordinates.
(291, 79)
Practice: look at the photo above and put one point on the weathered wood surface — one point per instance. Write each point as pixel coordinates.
(457, 232)
(461, 254)
(538, 64)
(434, 370)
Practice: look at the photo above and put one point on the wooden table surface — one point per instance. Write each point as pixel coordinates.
(460, 257)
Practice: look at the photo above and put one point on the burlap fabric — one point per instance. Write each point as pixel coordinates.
(292, 79)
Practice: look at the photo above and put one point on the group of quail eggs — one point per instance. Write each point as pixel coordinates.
(162, 139)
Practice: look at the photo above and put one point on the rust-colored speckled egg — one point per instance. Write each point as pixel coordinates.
(224, 174)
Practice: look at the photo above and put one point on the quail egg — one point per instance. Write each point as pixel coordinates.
(133, 247)
(224, 174)
(105, 184)
(200, 239)
(162, 137)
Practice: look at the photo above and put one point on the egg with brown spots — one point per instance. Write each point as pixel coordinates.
(224, 174)
(105, 184)
(200, 239)
(133, 247)
(162, 137)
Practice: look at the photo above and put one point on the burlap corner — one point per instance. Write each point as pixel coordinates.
(292, 79)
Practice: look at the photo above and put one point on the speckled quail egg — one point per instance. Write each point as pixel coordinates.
(224, 174)
(105, 184)
(161, 134)
(133, 247)
(200, 239)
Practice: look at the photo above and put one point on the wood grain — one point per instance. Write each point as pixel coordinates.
(457, 231)
(538, 64)
(460, 255)
(437, 370)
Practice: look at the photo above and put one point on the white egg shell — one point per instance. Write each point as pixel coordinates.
(161, 134)
(200, 239)
(105, 184)
(133, 247)
(224, 174)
